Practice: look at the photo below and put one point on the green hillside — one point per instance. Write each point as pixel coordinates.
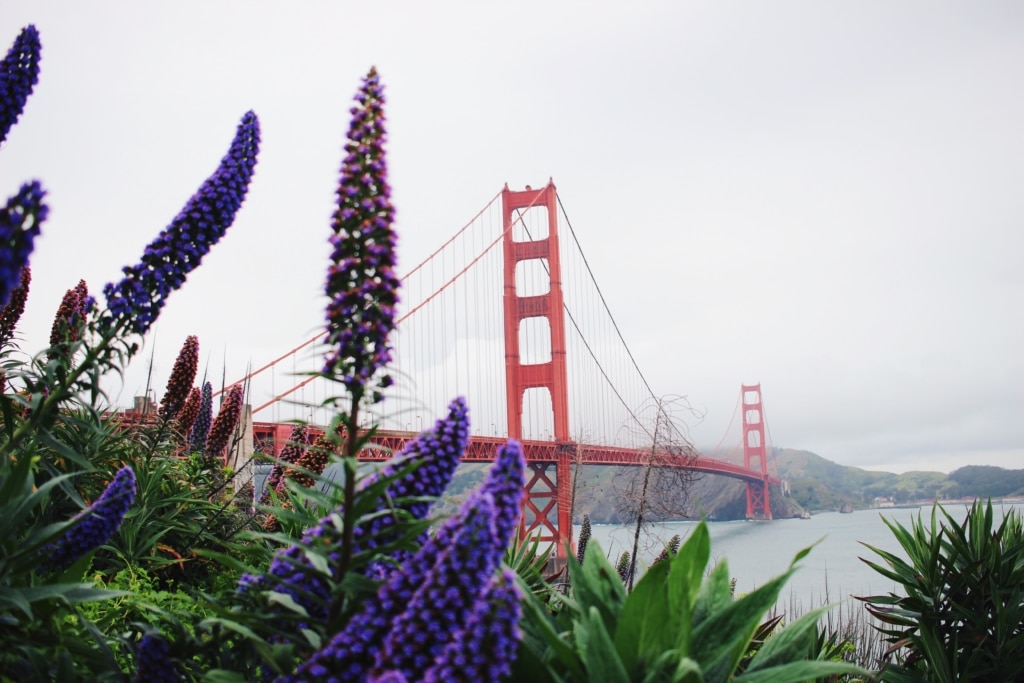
(813, 484)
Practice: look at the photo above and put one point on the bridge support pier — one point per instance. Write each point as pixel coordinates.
(547, 506)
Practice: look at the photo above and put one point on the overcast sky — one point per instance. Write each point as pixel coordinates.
(823, 197)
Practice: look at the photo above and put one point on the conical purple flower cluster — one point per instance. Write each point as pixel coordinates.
(179, 384)
(488, 644)
(180, 247)
(289, 455)
(11, 313)
(581, 545)
(430, 601)
(153, 662)
(361, 282)
(19, 72)
(189, 410)
(223, 427)
(201, 427)
(95, 525)
(19, 226)
(439, 451)
(70, 316)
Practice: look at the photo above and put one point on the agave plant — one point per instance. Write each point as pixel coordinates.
(962, 615)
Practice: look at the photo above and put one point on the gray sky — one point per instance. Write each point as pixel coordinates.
(824, 197)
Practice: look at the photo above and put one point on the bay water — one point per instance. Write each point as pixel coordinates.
(759, 551)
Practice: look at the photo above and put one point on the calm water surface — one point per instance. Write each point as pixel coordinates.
(757, 551)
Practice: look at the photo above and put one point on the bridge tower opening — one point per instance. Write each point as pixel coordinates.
(548, 488)
(758, 504)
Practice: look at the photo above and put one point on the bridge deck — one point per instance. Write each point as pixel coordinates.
(482, 448)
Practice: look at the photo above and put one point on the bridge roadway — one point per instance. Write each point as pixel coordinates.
(482, 449)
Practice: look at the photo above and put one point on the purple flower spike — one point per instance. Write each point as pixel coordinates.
(412, 616)
(201, 427)
(19, 226)
(19, 72)
(486, 648)
(181, 246)
(182, 375)
(439, 449)
(289, 455)
(95, 525)
(507, 482)
(361, 282)
(189, 410)
(224, 424)
(153, 662)
(11, 313)
(388, 677)
(69, 319)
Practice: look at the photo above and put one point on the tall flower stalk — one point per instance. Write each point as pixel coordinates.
(138, 298)
(425, 603)
(97, 524)
(19, 226)
(183, 374)
(189, 411)
(19, 72)
(436, 453)
(11, 313)
(69, 321)
(223, 426)
(362, 286)
(201, 427)
(134, 302)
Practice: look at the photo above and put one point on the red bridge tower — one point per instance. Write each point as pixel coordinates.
(758, 505)
(548, 500)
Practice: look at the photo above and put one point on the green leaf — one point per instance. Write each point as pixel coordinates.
(720, 640)
(596, 584)
(647, 624)
(597, 650)
(801, 671)
(792, 643)
(286, 601)
(685, 573)
(231, 625)
(537, 622)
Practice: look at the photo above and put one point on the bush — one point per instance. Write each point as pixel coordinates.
(962, 617)
(676, 625)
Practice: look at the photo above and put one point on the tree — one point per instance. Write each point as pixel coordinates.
(659, 489)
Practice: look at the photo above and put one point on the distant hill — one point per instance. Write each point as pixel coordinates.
(813, 484)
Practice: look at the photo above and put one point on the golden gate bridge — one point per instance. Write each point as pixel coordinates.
(502, 314)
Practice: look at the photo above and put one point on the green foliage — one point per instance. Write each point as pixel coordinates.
(680, 625)
(982, 481)
(525, 557)
(962, 618)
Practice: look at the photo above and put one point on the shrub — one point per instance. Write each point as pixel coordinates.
(962, 617)
(676, 625)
